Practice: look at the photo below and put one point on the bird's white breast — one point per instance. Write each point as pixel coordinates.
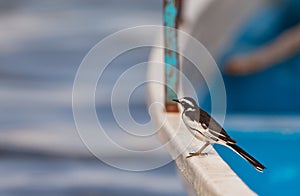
(194, 127)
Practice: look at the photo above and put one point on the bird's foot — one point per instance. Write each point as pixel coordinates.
(192, 154)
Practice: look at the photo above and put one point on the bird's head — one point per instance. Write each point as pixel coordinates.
(187, 102)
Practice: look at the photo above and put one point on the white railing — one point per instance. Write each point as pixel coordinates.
(212, 23)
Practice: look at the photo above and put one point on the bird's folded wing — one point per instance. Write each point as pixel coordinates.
(214, 129)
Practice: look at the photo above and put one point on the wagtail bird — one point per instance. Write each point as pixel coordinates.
(208, 130)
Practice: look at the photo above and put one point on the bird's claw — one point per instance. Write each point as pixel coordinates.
(192, 154)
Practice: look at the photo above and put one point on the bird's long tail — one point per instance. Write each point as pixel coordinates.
(255, 163)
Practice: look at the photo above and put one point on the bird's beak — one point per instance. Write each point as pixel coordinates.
(176, 100)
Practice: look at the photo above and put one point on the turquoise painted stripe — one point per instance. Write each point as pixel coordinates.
(171, 58)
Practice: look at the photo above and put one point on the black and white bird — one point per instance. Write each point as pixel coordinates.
(208, 130)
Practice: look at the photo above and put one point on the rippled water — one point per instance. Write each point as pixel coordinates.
(42, 45)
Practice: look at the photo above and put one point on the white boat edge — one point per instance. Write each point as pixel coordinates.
(206, 175)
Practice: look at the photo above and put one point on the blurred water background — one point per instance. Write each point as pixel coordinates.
(42, 45)
(263, 108)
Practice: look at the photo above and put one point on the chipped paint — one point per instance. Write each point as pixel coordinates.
(171, 8)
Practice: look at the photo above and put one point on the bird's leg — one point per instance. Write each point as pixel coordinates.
(199, 152)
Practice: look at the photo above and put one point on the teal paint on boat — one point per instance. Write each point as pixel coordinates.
(277, 150)
(171, 58)
(170, 13)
